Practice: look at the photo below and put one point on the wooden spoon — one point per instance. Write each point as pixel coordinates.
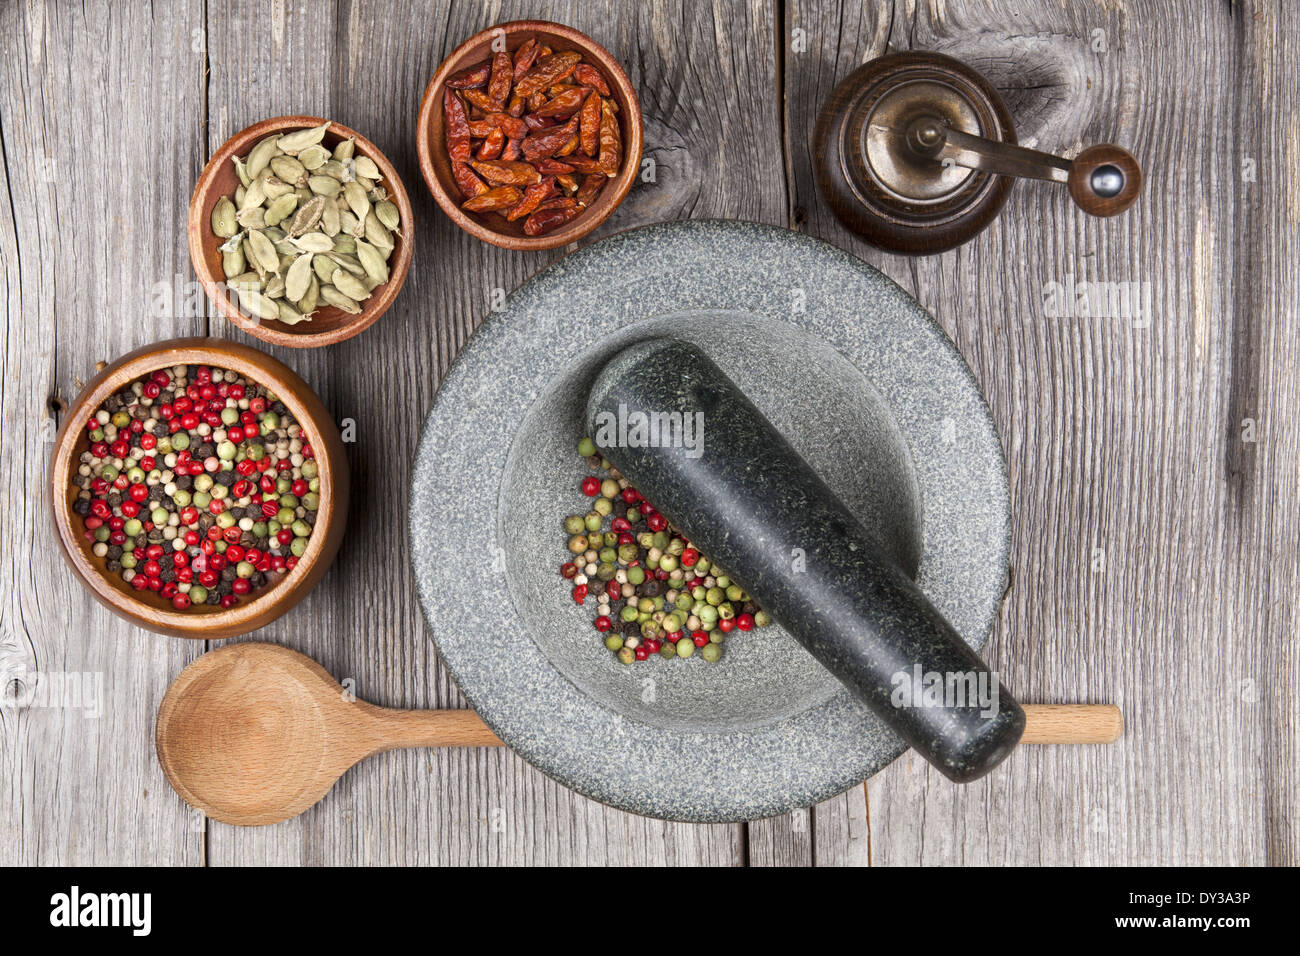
(253, 733)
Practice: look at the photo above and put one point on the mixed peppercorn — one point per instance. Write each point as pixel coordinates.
(654, 592)
(531, 135)
(198, 485)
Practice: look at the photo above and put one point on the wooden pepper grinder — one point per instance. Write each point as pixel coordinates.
(917, 152)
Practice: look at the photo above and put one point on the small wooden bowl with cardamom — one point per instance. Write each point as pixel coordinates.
(146, 608)
(222, 179)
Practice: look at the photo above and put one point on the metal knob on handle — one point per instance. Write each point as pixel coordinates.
(1103, 180)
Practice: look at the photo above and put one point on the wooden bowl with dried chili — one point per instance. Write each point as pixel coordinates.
(529, 135)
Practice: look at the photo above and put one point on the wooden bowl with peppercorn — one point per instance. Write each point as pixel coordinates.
(331, 171)
(529, 135)
(199, 488)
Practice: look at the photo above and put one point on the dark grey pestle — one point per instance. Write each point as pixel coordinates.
(748, 500)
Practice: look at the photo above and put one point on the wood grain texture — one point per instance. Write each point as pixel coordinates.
(83, 239)
(1154, 550)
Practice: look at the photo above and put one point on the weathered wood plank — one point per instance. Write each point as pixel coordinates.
(1153, 554)
(96, 180)
(366, 64)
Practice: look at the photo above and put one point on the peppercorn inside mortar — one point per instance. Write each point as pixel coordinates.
(655, 594)
(198, 485)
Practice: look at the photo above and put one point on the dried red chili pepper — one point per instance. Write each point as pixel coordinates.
(492, 144)
(502, 197)
(544, 220)
(552, 167)
(516, 105)
(469, 184)
(524, 58)
(568, 148)
(481, 101)
(535, 101)
(513, 148)
(455, 127)
(564, 103)
(547, 142)
(535, 122)
(589, 122)
(611, 140)
(509, 125)
(476, 75)
(548, 72)
(567, 182)
(503, 73)
(588, 75)
(559, 202)
(585, 164)
(532, 198)
(506, 173)
(591, 186)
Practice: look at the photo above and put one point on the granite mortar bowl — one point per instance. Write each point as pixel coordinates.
(328, 325)
(436, 165)
(144, 608)
(860, 380)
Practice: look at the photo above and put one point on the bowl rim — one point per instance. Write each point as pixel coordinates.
(306, 407)
(199, 235)
(616, 191)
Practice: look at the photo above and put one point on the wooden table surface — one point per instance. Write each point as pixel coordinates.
(1153, 457)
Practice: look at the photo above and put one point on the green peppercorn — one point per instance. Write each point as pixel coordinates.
(592, 522)
(198, 594)
(613, 641)
(229, 416)
(711, 652)
(726, 612)
(645, 605)
(586, 447)
(128, 559)
(577, 544)
(270, 421)
(636, 575)
(667, 562)
(673, 622)
(605, 572)
(255, 453)
(629, 613)
(310, 469)
(298, 547)
(609, 488)
(660, 540)
(182, 498)
(715, 596)
(180, 441)
(669, 649)
(110, 472)
(574, 524)
(226, 450)
(225, 520)
(684, 647)
(735, 593)
(722, 580)
(603, 507)
(158, 516)
(301, 529)
(627, 553)
(627, 655)
(132, 528)
(762, 619)
(311, 501)
(652, 630)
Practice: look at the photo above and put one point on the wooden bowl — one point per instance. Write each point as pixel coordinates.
(146, 608)
(328, 324)
(436, 165)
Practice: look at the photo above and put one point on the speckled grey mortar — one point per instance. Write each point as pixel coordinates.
(790, 319)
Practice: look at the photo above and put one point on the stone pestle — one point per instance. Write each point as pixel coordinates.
(743, 496)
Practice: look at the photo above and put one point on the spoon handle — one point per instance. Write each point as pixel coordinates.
(1044, 724)
(1072, 724)
(396, 729)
